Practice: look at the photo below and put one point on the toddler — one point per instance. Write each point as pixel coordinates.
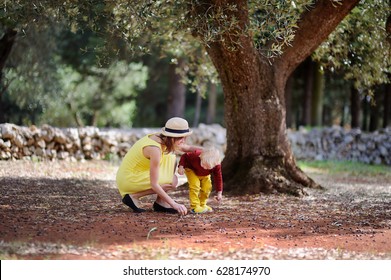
(198, 167)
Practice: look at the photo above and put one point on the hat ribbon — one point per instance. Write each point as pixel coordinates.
(176, 130)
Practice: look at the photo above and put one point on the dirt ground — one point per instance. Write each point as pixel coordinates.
(66, 210)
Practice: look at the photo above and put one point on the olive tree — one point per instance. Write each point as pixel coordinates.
(254, 47)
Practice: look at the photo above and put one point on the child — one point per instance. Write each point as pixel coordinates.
(198, 166)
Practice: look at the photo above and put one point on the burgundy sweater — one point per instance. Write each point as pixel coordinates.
(192, 161)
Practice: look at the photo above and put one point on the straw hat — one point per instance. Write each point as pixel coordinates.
(176, 127)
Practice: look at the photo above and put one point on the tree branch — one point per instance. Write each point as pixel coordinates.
(388, 26)
(314, 27)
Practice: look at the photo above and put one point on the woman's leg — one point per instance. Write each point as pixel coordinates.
(166, 172)
(138, 195)
(133, 203)
(132, 200)
(166, 188)
(168, 180)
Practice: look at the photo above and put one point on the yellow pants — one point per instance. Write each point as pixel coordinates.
(199, 188)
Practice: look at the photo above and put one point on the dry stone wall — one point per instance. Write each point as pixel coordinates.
(336, 143)
(75, 144)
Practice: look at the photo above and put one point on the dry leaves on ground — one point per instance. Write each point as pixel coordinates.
(66, 210)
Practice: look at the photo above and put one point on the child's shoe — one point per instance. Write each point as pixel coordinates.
(208, 209)
(198, 210)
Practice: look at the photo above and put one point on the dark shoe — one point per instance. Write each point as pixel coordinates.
(158, 208)
(129, 202)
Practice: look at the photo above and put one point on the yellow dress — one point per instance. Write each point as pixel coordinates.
(133, 175)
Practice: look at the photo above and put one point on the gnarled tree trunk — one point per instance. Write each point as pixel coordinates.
(259, 157)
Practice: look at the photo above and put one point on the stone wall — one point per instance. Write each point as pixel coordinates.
(337, 143)
(75, 144)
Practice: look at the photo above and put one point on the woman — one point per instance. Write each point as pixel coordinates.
(149, 168)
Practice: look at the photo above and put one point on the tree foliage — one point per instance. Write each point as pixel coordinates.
(29, 76)
(104, 99)
(174, 29)
(358, 47)
(58, 61)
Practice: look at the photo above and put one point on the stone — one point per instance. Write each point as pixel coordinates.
(72, 144)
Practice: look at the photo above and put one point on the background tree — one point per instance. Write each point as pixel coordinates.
(212, 104)
(30, 76)
(6, 43)
(365, 61)
(177, 91)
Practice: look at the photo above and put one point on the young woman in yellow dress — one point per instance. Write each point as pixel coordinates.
(149, 168)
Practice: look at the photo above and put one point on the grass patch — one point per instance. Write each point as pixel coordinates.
(350, 167)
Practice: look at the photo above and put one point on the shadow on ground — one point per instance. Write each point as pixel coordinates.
(83, 218)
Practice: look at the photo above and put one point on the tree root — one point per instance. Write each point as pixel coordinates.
(270, 176)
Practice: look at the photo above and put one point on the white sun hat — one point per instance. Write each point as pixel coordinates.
(176, 127)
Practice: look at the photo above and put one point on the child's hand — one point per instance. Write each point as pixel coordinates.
(219, 197)
(181, 170)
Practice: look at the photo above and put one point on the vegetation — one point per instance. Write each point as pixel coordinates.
(69, 36)
(366, 59)
(356, 169)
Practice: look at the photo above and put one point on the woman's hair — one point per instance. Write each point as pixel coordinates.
(169, 143)
(211, 156)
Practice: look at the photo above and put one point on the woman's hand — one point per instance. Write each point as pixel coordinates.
(182, 210)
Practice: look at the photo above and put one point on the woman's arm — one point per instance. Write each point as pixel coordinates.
(154, 155)
(189, 148)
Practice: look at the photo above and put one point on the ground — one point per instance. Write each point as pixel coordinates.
(68, 210)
